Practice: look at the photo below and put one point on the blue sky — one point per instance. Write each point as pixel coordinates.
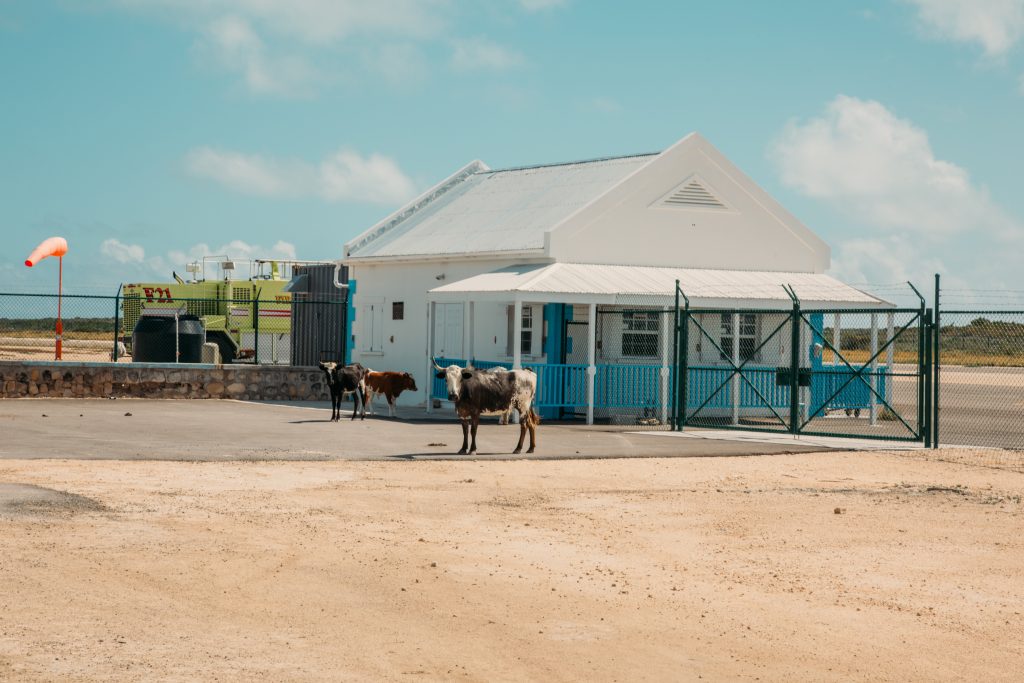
(147, 132)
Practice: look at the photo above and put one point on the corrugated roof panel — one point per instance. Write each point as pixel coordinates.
(501, 210)
(706, 285)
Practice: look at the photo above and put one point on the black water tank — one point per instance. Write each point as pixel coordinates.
(153, 339)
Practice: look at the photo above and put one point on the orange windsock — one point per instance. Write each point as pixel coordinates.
(54, 246)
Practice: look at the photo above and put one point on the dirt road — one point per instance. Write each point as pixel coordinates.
(652, 569)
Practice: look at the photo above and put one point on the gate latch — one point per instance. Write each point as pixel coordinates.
(784, 377)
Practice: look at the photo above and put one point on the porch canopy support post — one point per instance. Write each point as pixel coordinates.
(517, 334)
(467, 330)
(837, 337)
(429, 383)
(591, 361)
(874, 370)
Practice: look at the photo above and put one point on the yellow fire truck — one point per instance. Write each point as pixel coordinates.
(243, 329)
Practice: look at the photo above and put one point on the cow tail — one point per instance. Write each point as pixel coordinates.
(534, 415)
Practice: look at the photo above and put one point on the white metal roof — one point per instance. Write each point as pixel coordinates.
(590, 283)
(480, 210)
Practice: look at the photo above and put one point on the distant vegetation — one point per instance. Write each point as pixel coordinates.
(79, 328)
(981, 342)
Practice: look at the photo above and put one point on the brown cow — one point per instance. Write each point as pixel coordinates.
(390, 384)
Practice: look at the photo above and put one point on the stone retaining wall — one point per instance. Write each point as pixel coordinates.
(19, 379)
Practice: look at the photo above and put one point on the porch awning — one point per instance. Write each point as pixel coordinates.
(579, 283)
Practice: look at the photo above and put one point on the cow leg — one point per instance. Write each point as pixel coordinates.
(522, 436)
(357, 404)
(335, 407)
(531, 424)
(476, 423)
(465, 438)
(391, 405)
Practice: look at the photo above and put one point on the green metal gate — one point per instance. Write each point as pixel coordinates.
(862, 373)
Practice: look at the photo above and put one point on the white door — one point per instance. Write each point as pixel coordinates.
(448, 330)
(373, 328)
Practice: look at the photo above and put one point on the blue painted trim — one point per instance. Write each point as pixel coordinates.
(350, 320)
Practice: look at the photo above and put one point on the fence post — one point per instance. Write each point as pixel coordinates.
(794, 371)
(936, 366)
(794, 363)
(256, 328)
(683, 369)
(928, 378)
(675, 361)
(117, 319)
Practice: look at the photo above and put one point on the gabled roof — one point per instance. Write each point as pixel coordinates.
(687, 206)
(594, 283)
(479, 210)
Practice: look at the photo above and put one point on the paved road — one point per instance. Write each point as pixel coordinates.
(214, 430)
(981, 406)
(978, 407)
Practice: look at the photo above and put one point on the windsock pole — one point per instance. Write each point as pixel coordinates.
(60, 297)
(54, 246)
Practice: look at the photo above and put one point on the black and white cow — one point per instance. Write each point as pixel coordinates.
(480, 391)
(345, 379)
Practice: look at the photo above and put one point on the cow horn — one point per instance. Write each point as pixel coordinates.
(436, 366)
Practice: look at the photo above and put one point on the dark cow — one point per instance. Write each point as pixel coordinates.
(479, 391)
(345, 379)
(390, 384)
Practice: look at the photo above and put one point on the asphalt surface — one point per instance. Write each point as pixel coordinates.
(221, 430)
(981, 407)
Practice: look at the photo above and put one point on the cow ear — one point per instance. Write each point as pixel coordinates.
(466, 374)
(440, 375)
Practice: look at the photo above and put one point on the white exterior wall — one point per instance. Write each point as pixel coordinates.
(404, 342)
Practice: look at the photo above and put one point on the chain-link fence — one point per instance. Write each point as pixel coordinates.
(285, 330)
(981, 378)
(836, 372)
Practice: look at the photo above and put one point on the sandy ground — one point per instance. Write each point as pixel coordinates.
(726, 568)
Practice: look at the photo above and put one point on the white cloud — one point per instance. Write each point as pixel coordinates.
(232, 44)
(996, 25)
(273, 46)
(539, 5)
(343, 176)
(481, 53)
(890, 259)
(607, 105)
(237, 250)
(866, 161)
(122, 253)
(914, 214)
(312, 21)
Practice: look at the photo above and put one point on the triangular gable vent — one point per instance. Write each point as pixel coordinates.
(693, 194)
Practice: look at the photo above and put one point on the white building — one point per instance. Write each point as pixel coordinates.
(488, 265)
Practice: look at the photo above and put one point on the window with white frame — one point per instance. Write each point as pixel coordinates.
(640, 333)
(747, 336)
(527, 333)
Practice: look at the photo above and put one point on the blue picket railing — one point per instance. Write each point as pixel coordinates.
(710, 387)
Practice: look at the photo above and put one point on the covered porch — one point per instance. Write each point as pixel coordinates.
(608, 344)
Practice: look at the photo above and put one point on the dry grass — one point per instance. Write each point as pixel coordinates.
(954, 357)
